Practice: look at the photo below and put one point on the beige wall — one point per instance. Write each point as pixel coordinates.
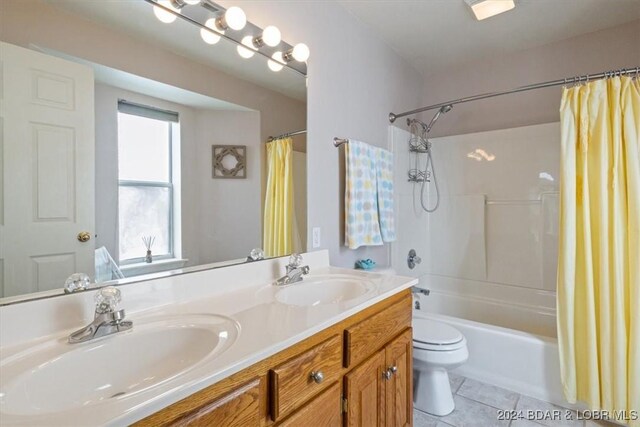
(604, 50)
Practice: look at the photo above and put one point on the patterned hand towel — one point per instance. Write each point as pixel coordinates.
(362, 226)
(384, 185)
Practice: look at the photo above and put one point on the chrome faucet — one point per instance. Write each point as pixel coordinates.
(107, 320)
(295, 271)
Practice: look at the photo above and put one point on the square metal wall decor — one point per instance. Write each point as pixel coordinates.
(229, 161)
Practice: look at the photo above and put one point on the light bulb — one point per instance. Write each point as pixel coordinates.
(246, 52)
(191, 2)
(271, 36)
(300, 52)
(163, 15)
(210, 36)
(235, 18)
(273, 65)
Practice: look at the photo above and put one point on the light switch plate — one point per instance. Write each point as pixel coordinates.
(316, 237)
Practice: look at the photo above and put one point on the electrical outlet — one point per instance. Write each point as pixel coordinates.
(316, 237)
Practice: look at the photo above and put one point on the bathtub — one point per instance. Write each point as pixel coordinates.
(514, 360)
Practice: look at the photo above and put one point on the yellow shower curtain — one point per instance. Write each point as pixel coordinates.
(278, 207)
(599, 261)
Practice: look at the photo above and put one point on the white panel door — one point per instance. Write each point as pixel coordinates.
(47, 183)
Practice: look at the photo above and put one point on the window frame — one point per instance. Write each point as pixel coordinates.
(153, 184)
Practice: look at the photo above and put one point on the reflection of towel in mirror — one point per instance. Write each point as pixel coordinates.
(368, 195)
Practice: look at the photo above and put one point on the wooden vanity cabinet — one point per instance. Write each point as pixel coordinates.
(355, 373)
(399, 387)
(379, 391)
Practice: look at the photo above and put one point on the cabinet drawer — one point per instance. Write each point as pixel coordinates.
(239, 408)
(364, 338)
(323, 411)
(292, 383)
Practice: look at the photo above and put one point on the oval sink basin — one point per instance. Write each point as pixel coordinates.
(57, 376)
(320, 290)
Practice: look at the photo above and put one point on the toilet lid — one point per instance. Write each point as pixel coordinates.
(433, 332)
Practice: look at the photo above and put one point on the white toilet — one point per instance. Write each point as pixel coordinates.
(437, 348)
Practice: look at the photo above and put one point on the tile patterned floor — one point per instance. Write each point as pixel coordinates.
(477, 405)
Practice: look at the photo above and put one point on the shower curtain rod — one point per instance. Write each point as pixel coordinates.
(566, 81)
(284, 135)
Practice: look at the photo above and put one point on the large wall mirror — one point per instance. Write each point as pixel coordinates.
(132, 148)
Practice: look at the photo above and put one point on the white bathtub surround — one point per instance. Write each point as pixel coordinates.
(489, 252)
(266, 324)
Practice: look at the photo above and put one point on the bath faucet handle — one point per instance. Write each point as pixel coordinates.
(76, 282)
(107, 300)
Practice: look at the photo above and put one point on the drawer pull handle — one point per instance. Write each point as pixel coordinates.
(387, 374)
(393, 369)
(317, 376)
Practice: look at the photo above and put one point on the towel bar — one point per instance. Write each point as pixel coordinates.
(337, 142)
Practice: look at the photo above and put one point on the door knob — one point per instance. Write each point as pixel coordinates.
(84, 236)
(387, 374)
(393, 369)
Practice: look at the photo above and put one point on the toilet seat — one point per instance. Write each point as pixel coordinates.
(436, 336)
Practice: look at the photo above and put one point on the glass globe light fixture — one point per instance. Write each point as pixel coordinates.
(276, 66)
(235, 18)
(211, 36)
(300, 52)
(248, 51)
(271, 36)
(164, 15)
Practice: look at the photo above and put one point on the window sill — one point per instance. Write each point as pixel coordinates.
(130, 270)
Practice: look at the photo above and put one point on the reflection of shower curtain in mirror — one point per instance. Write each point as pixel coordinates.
(278, 208)
(598, 266)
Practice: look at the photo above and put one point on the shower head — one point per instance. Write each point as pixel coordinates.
(443, 110)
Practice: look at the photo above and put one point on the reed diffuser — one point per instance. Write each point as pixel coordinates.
(148, 243)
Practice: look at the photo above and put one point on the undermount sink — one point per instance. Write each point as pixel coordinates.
(56, 376)
(320, 290)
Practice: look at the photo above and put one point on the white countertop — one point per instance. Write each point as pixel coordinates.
(266, 328)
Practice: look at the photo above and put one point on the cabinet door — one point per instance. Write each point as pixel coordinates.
(365, 393)
(323, 411)
(239, 408)
(399, 387)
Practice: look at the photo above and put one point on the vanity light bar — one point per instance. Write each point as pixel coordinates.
(279, 55)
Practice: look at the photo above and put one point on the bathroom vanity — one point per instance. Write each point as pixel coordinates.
(218, 347)
(360, 367)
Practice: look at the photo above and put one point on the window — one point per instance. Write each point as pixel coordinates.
(145, 184)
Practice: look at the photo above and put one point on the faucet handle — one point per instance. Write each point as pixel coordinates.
(76, 282)
(107, 299)
(295, 260)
